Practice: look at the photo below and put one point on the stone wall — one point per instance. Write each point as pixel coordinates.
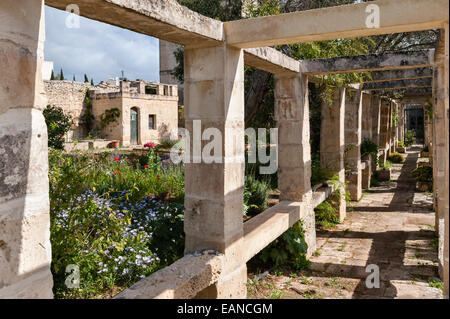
(69, 96)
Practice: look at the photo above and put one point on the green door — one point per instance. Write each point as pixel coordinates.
(134, 125)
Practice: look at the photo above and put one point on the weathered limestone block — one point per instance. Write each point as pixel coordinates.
(384, 130)
(294, 160)
(25, 252)
(367, 173)
(366, 124)
(24, 205)
(353, 118)
(181, 280)
(332, 144)
(214, 94)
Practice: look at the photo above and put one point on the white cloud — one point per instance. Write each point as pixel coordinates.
(99, 50)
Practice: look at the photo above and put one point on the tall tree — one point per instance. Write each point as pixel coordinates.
(61, 75)
(52, 77)
(92, 82)
(74, 78)
(86, 79)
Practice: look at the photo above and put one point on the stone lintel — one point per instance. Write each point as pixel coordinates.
(398, 84)
(396, 60)
(395, 75)
(271, 60)
(163, 19)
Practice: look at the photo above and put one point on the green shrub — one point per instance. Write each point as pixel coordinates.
(58, 124)
(396, 158)
(370, 148)
(388, 164)
(167, 143)
(410, 139)
(288, 250)
(318, 174)
(401, 144)
(256, 195)
(374, 182)
(327, 213)
(423, 174)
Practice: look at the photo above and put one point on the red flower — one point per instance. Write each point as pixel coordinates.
(146, 166)
(117, 159)
(158, 176)
(118, 172)
(139, 177)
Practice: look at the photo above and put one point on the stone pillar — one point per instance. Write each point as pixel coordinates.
(376, 115)
(394, 124)
(353, 118)
(366, 125)
(332, 144)
(214, 82)
(384, 130)
(401, 123)
(441, 152)
(25, 252)
(294, 159)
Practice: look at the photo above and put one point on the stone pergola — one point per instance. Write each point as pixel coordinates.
(218, 242)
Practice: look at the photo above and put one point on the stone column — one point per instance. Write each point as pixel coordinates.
(294, 159)
(376, 115)
(25, 252)
(332, 144)
(353, 118)
(214, 95)
(446, 158)
(384, 130)
(366, 134)
(440, 148)
(401, 122)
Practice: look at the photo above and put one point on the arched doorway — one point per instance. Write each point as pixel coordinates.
(134, 125)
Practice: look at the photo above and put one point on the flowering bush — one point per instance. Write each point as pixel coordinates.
(103, 221)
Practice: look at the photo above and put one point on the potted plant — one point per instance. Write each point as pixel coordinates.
(424, 178)
(383, 174)
(425, 152)
(401, 147)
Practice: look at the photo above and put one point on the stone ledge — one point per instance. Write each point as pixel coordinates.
(261, 230)
(181, 280)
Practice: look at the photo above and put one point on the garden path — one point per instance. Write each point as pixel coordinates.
(392, 227)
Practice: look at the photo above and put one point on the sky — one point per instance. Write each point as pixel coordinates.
(100, 50)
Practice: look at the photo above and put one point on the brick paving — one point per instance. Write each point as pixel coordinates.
(392, 227)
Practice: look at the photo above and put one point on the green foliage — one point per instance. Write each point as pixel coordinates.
(436, 284)
(58, 124)
(92, 82)
(370, 148)
(103, 221)
(429, 110)
(327, 213)
(52, 76)
(401, 144)
(256, 195)
(388, 164)
(288, 250)
(318, 174)
(108, 117)
(167, 143)
(374, 182)
(423, 174)
(86, 79)
(88, 115)
(410, 139)
(396, 158)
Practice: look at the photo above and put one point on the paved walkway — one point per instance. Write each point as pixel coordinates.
(392, 227)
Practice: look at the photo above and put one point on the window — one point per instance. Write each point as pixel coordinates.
(152, 122)
(151, 90)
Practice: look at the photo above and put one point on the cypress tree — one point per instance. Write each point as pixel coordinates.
(86, 80)
(74, 78)
(52, 77)
(92, 82)
(61, 75)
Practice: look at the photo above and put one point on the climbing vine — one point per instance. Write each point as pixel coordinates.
(110, 116)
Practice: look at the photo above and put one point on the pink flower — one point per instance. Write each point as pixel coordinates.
(150, 145)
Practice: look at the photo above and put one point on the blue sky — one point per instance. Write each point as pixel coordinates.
(99, 50)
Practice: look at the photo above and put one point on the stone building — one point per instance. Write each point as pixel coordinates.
(148, 111)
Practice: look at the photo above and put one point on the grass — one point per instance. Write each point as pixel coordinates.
(436, 284)
(276, 294)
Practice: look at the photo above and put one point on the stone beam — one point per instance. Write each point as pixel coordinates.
(164, 19)
(395, 75)
(271, 60)
(418, 92)
(400, 84)
(346, 21)
(397, 60)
